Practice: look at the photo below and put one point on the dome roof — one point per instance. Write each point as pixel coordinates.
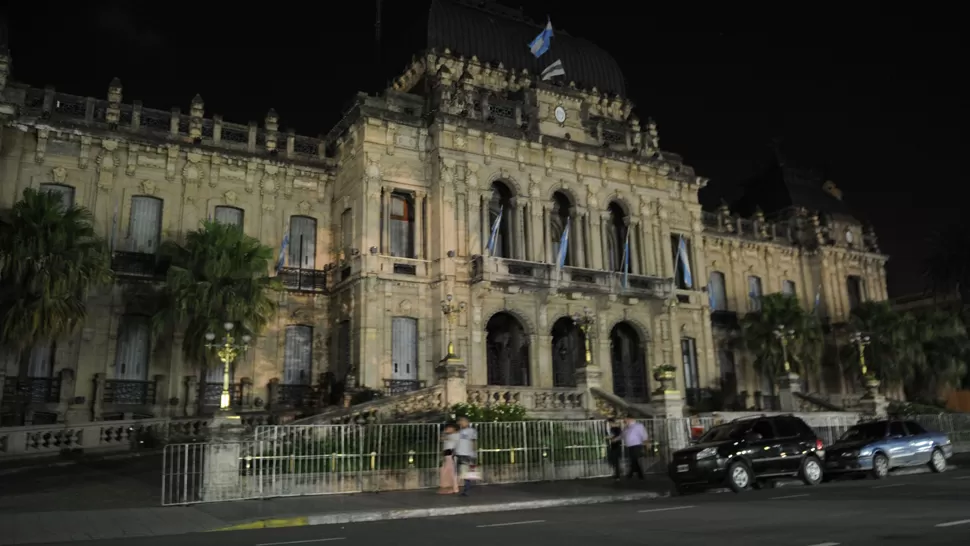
(496, 34)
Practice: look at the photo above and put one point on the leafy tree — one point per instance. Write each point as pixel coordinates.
(943, 357)
(50, 261)
(804, 349)
(893, 343)
(219, 274)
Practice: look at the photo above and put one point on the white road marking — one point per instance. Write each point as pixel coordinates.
(962, 478)
(827, 544)
(665, 509)
(890, 485)
(953, 523)
(789, 497)
(311, 541)
(513, 523)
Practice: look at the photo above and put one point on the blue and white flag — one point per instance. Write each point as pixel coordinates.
(493, 236)
(626, 260)
(818, 298)
(563, 244)
(540, 44)
(711, 300)
(281, 261)
(553, 70)
(683, 261)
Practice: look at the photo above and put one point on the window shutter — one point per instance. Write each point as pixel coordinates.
(230, 216)
(145, 225)
(298, 355)
(303, 242)
(66, 193)
(134, 344)
(40, 360)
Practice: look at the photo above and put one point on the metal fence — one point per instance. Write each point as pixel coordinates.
(297, 460)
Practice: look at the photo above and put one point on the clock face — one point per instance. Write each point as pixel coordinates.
(560, 113)
(848, 236)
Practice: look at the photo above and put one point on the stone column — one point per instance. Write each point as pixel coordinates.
(160, 404)
(547, 236)
(66, 395)
(519, 233)
(579, 227)
(789, 386)
(668, 403)
(191, 395)
(535, 369)
(97, 407)
(874, 404)
(385, 230)
(595, 231)
(588, 378)
(536, 230)
(645, 252)
(418, 226)
(476, 245)
(452, 374)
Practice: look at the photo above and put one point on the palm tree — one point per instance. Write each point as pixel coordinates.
(893, 346)
(948, 265)
(759, 338)
(219, 274)
(945, 352)
(51, 260)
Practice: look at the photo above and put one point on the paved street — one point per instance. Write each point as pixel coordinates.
(923, 509)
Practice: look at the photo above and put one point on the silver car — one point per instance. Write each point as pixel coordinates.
(876, 447)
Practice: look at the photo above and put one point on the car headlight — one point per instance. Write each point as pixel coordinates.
(706, 453)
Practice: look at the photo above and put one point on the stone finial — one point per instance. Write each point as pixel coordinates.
(113, 112)
(272, 124)
(635, 124)
(872, 239)
(196, 113)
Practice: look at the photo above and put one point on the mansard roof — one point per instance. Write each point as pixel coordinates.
(496, 34)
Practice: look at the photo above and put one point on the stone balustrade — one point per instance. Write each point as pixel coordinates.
(549, 403)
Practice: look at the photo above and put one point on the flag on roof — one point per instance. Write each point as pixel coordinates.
(553, 70)
(540, 44)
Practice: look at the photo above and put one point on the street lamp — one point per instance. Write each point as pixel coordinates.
(451, 311)
(861, 342)
(227, 350)
(585, 320)
(785, 335)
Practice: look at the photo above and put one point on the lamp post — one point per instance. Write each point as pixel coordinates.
(227, 350)
(861, 341)
(451, 311)
(585, 320)
(785, 335)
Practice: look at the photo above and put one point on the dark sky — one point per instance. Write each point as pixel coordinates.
(868, 92)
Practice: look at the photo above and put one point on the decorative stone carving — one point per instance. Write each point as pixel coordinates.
(147, 187)
(230, 197)
(405, 306)
(304, 207)
(59, 175)
(268, 185)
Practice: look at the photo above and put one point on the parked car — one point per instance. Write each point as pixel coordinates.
(750, 452)
(876, 447)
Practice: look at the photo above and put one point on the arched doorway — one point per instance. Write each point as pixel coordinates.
(507, 351)
(627, 357)
(568, 352)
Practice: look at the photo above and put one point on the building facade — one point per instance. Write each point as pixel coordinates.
(390, 217)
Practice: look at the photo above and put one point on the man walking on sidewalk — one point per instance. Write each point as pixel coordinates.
(634, 439)
(467, 452)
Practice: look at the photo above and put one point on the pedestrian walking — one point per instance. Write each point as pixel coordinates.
(467, 452)
(614, 446)
(635, 439)
(448, 476)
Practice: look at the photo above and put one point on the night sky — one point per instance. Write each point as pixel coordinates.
(869, 94)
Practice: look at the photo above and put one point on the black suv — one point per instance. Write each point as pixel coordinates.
(749, 452)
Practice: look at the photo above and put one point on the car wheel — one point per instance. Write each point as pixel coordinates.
(880, 466)
(937, 461)
(811, 472)
(739, 477)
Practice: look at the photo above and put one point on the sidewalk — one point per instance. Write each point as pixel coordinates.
(29, 527)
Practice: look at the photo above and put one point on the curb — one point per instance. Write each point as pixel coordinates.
(89, 459)
(385, 515)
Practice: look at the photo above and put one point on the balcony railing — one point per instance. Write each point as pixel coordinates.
(748, 228)
(37, 390)
(137, 265)
(211, 394)
(296, 396)
(129, 393)
(393, 387)
(303, 280)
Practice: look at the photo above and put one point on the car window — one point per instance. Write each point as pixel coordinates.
(896, 429)
(786, 427)
(722, 433)
(875, 430)
(764, 429)
(915, 428)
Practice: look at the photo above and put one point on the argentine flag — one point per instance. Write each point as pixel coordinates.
(493, 236)
(682, 258)
(626, 260)
(281, 261)
(540, 44)
(563, 245)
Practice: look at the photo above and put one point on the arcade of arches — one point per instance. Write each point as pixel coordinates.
(508, 360)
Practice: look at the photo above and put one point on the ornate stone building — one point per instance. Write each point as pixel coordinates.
(390, 215)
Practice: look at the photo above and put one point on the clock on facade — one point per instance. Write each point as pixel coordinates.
(848, 236)
(560, 114)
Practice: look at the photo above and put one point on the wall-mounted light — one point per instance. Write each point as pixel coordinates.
(451, 253)
(373, 250)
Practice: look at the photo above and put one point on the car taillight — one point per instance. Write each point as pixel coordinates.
(819, 445)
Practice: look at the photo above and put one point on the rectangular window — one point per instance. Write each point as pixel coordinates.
(788, 288)
(402, 226)
(298, 355)
(134, 349)
(145, 224)
(718, 292)
(754, 294)
(692, 382)
(404, 349)
(230, 216)
(41, 360)
(856, 291)
(302, 251)
(66, 193)
(683, 265)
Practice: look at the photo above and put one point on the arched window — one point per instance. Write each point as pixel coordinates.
(616, 238)
(145, 224)
(627, 358)
(568, 352)
(559, 217)
(402, 225)
(499, 209)
(66, 193)
(303, 242)
(507, 351)
(718, 292)
(231, 216)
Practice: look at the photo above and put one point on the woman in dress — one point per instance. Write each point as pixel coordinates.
(448, 481)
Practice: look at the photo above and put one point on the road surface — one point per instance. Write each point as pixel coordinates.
(926, 509)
